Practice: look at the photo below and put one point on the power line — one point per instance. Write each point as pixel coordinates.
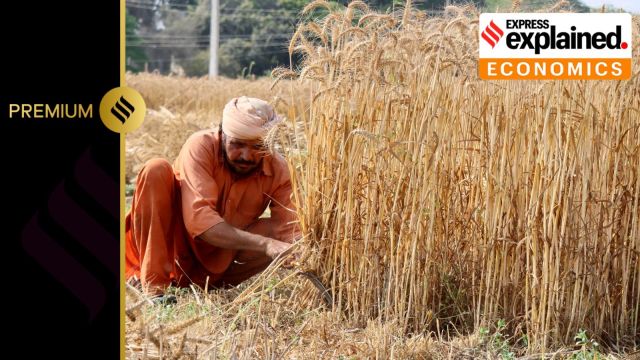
(188, 37)
(192, 6)
(247, 56)
(159, 37)
(249, 46)
(157, 5)
(206, 39)
(230, 15)
(204, 46)
(225, 11)
(206, 43)
(262, 10)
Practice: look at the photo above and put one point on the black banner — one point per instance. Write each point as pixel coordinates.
(60, 179)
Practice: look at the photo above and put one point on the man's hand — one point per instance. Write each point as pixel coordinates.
(274, 248)
(228, 237)
(290, 254)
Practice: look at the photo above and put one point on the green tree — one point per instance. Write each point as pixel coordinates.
(169, 30)
(135, 55)
(530, 5)
(579, 6)
(254, 34)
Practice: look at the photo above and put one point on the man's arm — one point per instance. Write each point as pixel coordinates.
(225, 236)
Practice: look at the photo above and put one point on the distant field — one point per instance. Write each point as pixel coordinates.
(180, 106)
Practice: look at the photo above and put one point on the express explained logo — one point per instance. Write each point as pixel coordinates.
(551, 38)
(555, 46)
(492, 34)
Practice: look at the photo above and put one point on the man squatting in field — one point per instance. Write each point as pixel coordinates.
(199, 218)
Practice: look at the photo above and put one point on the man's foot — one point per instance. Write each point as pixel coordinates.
(164, 300)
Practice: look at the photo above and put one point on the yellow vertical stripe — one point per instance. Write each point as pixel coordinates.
(122, 173)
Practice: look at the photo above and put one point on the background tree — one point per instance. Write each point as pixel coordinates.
(254, 34)
(532, 5)
(136, 57)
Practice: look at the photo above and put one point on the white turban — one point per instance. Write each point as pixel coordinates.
(248, 118)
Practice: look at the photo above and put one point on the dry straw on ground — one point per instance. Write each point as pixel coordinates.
(433, 203)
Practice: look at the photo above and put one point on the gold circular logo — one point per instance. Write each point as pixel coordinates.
(122, 109)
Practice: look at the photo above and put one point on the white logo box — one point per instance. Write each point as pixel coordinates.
(584, 22)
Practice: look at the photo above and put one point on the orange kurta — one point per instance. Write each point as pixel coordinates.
(173, 205)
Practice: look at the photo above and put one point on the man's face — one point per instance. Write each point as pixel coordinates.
(243, 156)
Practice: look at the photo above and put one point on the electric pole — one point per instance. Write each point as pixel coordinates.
(214, 38)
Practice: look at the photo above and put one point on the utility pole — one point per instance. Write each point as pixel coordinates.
(214, 38)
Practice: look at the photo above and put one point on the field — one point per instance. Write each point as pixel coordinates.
(448, 217)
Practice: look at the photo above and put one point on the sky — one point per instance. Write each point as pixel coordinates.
(629, 5)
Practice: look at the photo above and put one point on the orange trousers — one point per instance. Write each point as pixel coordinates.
(157, 246)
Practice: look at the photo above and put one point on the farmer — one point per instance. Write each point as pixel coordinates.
(198, 221)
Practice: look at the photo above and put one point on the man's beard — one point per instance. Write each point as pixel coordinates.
(237, 170)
